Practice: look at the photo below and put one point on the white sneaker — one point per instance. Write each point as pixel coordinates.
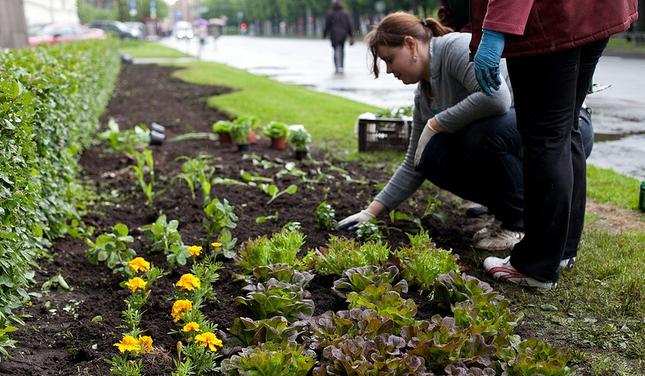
(501, 269)
(502, 240)
(568, 263)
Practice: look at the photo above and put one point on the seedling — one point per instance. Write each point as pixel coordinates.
(263, 218)
(145, 164)
(273, 191)
(248, 178)
(218, 215)
(325, 216)
(369, 232)
(197, 172)
(112, 248)
(299, 137)
(162, 234)
(127, 141)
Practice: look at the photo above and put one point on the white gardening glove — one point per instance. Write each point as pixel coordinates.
(428, 132)
(351, 223)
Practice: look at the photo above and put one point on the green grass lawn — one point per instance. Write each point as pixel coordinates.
(623, 44)
(598, 312)
(329, 119)
(146, 49)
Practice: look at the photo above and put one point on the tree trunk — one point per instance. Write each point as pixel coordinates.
(13, 27)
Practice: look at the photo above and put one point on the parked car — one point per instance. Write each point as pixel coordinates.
(183, 30)
(117, 28)
(137, 29)
(55, 33)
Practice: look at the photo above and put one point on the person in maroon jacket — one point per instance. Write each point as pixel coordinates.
(551, 49)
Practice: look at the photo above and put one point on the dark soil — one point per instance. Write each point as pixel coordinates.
(73, 332)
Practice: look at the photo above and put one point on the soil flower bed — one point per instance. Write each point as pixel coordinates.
(75, 331)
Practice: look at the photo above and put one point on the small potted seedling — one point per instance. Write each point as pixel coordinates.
(277, 132)
(252, 122)
(223, 130)
(300, 139)
(240, 133)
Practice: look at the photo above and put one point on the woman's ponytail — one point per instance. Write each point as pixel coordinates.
(436, 27)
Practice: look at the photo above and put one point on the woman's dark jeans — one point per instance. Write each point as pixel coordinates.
(483, 163)
(549, 90)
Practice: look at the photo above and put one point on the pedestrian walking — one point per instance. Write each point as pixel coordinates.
(462, 140)
(551, 50)
(338, 27)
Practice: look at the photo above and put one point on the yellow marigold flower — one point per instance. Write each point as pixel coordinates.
(191, 327)
(135, 284)
(139, 264)
(216, 245)
(179, 307)
(195, 250)
(188, 282)
(146, 343)
(208, 339)
(128, 343)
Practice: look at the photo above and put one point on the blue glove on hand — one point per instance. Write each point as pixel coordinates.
(487, 58)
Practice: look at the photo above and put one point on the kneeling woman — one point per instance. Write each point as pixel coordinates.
(462, 140)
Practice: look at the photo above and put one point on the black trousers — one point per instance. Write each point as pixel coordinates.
(549, 90)
(483, 163)
(339, 55)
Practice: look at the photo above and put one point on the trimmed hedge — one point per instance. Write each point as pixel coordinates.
(50, 101)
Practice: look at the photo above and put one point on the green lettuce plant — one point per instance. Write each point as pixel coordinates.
(283, 273)
(422, 262)
(342, 254)
(270, 359)
(222, 126)
(283, 247)
(276, 129)
(357, 279)
(112, 248)
(275, 298)
(275, 329)
(386, 302)
(535, 357)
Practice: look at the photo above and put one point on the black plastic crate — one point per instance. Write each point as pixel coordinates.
(383, 134)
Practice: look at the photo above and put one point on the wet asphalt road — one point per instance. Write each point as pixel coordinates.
(618, 112)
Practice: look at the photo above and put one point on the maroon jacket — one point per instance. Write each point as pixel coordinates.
(534, 27)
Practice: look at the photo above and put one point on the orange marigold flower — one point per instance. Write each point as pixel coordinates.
(191, 327)
(208, 339)
(188, 282)
(135, 284)
(195, 250)
(139, 264)
(128, 343)
(179, 308)
(146, 343)
(216, 245)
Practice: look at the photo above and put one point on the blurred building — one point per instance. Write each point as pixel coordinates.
(183, 10)
(46, 11)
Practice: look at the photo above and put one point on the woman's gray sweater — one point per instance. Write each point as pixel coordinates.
(454, 98)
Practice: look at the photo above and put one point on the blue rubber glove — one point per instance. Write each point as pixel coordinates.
(487, 58)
